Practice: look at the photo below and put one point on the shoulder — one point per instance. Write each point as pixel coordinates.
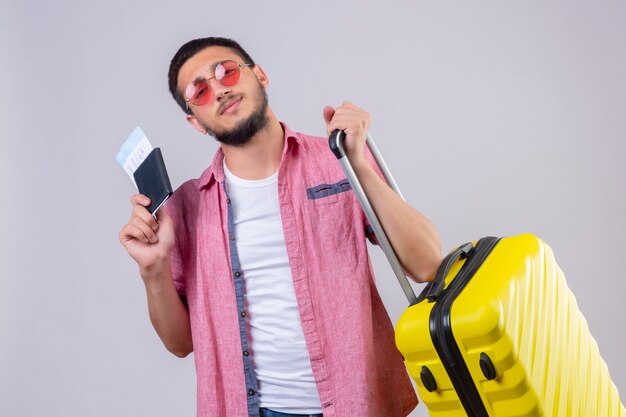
(187, 193)
(185, 198)
(304, 140)
(311, 142)
(314, 150)
(184, 202)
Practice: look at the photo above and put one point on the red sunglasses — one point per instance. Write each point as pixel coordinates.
(227, 73)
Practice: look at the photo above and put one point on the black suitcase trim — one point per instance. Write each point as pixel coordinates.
(443, 338)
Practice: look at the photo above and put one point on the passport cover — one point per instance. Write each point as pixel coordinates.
(152, 180)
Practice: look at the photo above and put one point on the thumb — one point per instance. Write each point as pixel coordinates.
(328, 113)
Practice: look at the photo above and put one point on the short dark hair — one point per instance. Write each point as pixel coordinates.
(190, 49)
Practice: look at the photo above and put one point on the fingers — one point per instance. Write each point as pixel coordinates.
(140, 210)
(328, 113)
(139, 230)
(141, 226)
(140, 199)
(348, 105)
(135, 230)
(347, 117)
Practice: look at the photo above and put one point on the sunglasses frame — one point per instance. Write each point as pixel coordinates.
(206, 80)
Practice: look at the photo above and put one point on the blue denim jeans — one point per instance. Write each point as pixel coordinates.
(266, 412)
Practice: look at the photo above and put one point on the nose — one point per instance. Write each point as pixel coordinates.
(219, 90)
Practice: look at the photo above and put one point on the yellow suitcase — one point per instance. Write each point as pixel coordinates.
(498, 332)
(504, 338)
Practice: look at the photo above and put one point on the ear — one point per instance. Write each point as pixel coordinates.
(261, 76)
(191, 119)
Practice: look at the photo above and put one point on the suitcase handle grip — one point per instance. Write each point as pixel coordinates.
(335, 142)
(434, 289)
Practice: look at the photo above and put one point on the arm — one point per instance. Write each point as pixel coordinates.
(149, 243)
(413, 236)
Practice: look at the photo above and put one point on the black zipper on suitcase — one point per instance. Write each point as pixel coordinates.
(441, 331)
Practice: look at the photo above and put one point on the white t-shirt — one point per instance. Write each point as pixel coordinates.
(277, 346)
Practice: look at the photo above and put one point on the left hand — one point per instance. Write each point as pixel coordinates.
(354, 122)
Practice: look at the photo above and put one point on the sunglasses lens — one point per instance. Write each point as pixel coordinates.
(198, 94)
(228, 73)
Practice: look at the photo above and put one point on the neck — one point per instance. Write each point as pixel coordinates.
(261, 156)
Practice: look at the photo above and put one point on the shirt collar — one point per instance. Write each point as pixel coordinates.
(215, 172)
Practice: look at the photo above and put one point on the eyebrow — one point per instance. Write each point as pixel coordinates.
(211, 68)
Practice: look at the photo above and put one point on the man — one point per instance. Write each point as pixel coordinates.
(260, 266)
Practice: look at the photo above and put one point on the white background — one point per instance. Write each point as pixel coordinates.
(498, 118)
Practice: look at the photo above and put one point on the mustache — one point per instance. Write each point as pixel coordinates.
(226, 101)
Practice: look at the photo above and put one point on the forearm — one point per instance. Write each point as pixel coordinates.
(168, 313)
(413, 236)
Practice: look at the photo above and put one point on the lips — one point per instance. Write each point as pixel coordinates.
(229, 105)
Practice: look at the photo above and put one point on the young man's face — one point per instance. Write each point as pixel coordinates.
(233, 113)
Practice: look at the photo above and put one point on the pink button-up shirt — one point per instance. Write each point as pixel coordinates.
(357, 368)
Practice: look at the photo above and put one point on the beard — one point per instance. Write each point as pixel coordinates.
(241, 134)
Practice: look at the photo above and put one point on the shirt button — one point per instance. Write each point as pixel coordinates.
(237, 274)
(232, 238)
(243, 314)
(250, 392)
(228, 201)
(245, 353)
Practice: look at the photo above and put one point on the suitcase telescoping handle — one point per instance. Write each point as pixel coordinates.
(335, 141)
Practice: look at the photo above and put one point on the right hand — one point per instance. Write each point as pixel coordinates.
(148, 241)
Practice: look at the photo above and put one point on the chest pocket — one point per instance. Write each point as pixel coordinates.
(332, 209)
(328, 193)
